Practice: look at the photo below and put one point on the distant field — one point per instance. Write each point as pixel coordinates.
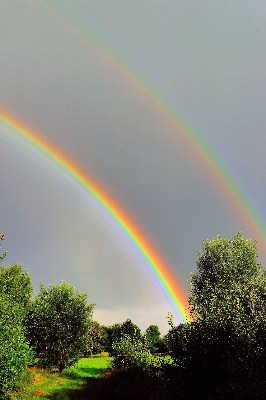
(44, 385)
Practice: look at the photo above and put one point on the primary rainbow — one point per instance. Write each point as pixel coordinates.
(52, 155)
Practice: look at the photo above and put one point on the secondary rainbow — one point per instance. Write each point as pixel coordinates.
(216, 172)
(52, 155)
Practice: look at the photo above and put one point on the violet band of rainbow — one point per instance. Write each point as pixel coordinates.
(127, 227)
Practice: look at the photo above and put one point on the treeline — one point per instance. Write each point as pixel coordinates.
(220, 355)
(102, 338)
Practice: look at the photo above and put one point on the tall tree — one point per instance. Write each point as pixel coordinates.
(129, 328)
(153, 336)
(113, 335)
(116, 331)
(96, 338)
(58, 324)
(224, 286)
(222, 353)
(15, 295)
(15, 354)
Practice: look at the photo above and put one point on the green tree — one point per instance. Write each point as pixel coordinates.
(17, 286)
(58, 324)
(116, 331)
(15, 354)
(129, 328)
(153, 336)
(113, 335)
(225, 284)
(96, 338)
(222, 353)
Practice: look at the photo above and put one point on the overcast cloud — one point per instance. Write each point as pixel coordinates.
(207, 59)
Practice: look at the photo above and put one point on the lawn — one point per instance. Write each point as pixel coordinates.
(73, 383)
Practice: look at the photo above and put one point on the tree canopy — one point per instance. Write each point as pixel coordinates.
(228, 277)
(16, 285)
(58, 324)
(222, 353)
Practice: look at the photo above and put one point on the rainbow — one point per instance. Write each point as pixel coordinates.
(215, 171)
(64, 165)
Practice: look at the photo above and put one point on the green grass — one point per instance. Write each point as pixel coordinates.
(44, 385)
(93, 379)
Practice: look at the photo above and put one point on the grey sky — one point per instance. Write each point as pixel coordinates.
(207, 58)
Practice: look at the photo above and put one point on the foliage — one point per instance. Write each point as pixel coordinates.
(116, 331)
(222, 287)
(131, 353)
(58, 323)
(113, 335)
(153, 336)
(16, 285)
(15, 354)
(3, 256)
(222, 353)
(130, 329)
(96, 338)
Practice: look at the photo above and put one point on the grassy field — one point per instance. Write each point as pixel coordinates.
(73, 383)
(94, 379)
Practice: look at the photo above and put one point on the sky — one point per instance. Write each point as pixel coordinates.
(101, 80)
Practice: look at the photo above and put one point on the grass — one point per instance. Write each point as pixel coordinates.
(71, 384)
(94, 379)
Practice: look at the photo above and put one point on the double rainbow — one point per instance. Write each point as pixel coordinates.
(216, 172)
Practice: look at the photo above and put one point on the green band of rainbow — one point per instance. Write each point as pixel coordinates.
(52, 155)
(213, 169)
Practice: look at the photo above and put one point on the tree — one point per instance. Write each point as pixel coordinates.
(226, 280)
(222, 353)
(116, 331)
(16, 285)
(96, 338)
(58, 324)
(15, 354)
(113, 335)
(129, 328)
(153, 336)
